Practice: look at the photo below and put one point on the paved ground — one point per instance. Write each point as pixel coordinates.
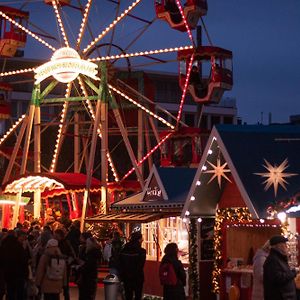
(74, 293)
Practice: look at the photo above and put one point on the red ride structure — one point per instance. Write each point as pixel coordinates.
(217, 62)
(60, 2)
(5, 110)
(12, 37)
(169, 11)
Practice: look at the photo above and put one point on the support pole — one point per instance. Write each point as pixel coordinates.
(90, 164)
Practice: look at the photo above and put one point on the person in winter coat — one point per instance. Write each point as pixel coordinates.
(116, 248)
(88, 272)
(14, 262)
(132, 261)
(172, 292)
(67, 251)
(258, 271)
(51, 288)
(279, 281)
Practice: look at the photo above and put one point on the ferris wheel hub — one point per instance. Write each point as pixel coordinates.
(65, 65)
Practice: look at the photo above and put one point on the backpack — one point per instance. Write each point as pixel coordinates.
(167, 275)
(56, 268)
(107, 251)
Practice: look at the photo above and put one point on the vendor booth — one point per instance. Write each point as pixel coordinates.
(61, 194)
(156, 212)
(246, 180)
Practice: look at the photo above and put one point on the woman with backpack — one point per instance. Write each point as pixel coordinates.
(51, 274)
(172, 275)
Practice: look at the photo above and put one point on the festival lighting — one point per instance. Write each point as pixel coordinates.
(11, 129)
(91, 110)
(65, 66)
(142, 107)
(33, 183)
(185, 21)
(26, 30)
(16, 72)
(185, 89)
(61, 26)
(113, 24)
(282, 217)
(84, 22)
(142, 53)
(60, 129)
(148, 154)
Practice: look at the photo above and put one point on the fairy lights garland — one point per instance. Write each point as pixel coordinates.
(193, 260)
(239, 214)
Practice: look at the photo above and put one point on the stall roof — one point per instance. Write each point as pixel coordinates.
(126, 217)
(49, 182)
(165, 189)
(262, 160)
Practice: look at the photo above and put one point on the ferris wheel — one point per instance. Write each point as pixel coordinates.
(90, 75)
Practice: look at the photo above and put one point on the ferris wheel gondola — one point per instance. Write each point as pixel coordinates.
(12, 37)
(216, 62)
(192, 10)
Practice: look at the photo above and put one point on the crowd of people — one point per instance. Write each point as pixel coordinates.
(39, 263)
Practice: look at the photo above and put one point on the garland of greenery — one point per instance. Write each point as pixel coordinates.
(193, 260)
(240, 214)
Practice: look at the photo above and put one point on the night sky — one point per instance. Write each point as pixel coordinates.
(263, 36)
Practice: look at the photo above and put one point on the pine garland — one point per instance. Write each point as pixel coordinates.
(193, 260)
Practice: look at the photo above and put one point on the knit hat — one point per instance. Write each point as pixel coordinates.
(277, 239)
(52, 243)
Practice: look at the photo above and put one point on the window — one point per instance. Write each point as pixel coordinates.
(159, 233)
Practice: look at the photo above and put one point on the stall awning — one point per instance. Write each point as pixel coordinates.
(127, 217)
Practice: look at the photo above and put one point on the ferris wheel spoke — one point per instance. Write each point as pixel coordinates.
(61, 129)
(184, 90)
(12, 129)
(92, 113)
(137, 104)
(16, 72)
(83, 23)
(60, 23)
(185, 21)
(111, 26)
(157, 106)
(148, 154)
(142, 53)
(26, 30)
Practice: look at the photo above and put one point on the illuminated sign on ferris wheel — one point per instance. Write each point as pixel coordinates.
(65, 66)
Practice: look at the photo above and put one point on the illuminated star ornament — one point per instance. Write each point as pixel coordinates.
(275, 175)
(218, 171)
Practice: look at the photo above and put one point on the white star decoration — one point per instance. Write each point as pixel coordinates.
(275, 175)
(218, 171)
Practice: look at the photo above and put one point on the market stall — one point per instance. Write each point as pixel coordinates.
(247, 178)
(156, 212)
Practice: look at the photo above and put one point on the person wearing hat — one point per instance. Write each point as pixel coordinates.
(132, 261)
(279, 281)
(49, 285)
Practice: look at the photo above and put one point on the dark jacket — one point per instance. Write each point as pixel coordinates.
(132, 261)
(116, 248)
(278, 278)
(13, 259)
(176, 291)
